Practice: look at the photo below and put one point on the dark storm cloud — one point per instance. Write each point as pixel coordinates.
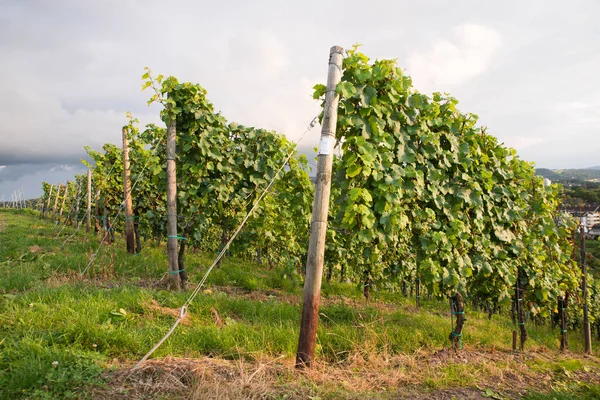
(14, 159)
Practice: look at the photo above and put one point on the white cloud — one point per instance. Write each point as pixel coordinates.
(64, 167)
(522, 142)
(450, 63)
(578, 114)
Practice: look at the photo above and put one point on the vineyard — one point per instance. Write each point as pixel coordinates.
(448, 267)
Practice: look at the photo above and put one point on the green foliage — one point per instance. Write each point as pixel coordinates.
(422, 191)
(588, 192)
(222, 168)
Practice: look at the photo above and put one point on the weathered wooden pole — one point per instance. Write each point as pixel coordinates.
(105, 225)
(519, 294)
(55, 202)
(97, 212)
(64, 199)
(457, 307)
(172, 207)
(47, 209)
(318, 227)
(587, 340)
(563, 302)
(89, 202)
(76, 199)
(127, 195)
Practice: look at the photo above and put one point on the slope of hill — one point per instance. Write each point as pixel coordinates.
(564, 175)
(547, 173)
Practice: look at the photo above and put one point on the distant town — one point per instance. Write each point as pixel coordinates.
(582, 195)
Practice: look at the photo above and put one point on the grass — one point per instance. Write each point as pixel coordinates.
(62, 333)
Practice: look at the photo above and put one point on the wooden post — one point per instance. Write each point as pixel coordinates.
(587, 340)
(457, 307)
(76, 199)
(62, 204)
(105, 224)
(418, 292)
(136, 234)
(89, 202)
(97, 212)
(519, 294)
(563, 302)
(172, 207)
(47, 209)
(127, 195)
(318, 227)
(55, 202)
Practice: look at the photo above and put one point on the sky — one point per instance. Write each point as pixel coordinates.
(71, 69)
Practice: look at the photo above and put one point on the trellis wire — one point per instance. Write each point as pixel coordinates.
(183, 309)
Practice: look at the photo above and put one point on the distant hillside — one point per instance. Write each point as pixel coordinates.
(564, 175)
(547, 173)
(597, 167)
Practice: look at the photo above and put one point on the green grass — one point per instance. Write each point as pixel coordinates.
(573, 391)
(48, 314)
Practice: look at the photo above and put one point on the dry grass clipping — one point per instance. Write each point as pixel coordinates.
(356, 377)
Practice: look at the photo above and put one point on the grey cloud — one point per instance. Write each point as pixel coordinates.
(29, 178)
(16, 159)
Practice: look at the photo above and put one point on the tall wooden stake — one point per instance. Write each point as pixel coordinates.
(172, 208)
(76, 199)
(55, 202)
(127, 194)
(318, 228)
(62, 204)
(89, 202)
(563, 302)
(587, 340)
(47, 209)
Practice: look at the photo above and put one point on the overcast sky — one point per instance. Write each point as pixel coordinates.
(70, 69)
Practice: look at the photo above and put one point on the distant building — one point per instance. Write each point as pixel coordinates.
(588, 219)
(594, 231)
(592, 219)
